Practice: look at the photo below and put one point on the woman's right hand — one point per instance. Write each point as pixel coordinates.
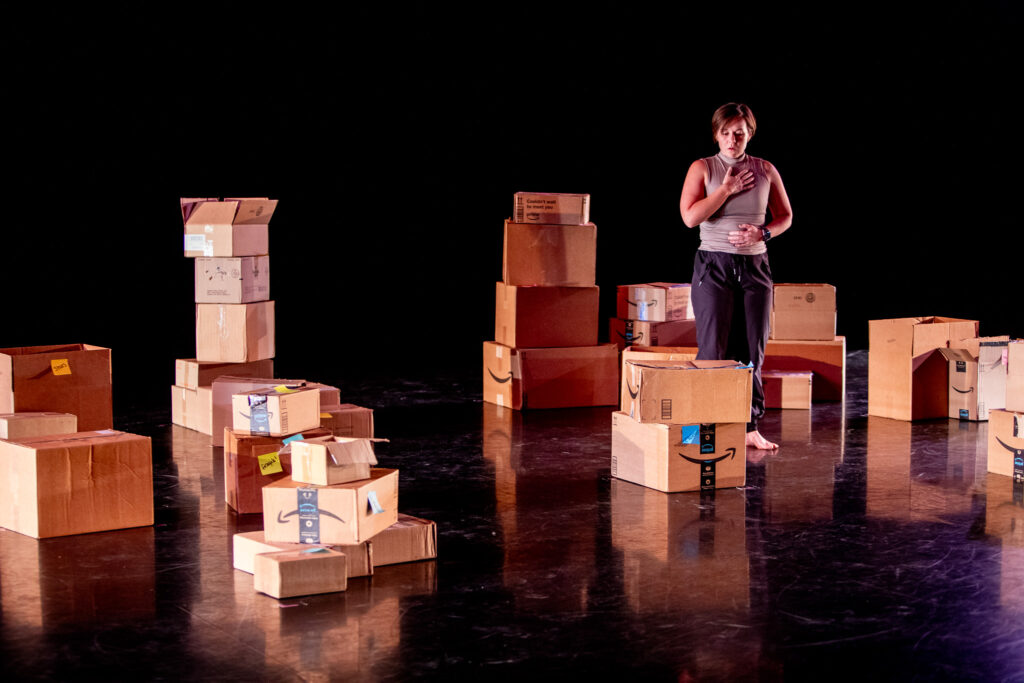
(734, 184)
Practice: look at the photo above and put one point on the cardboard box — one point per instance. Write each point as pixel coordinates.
(688, 392)
(1006, 444)
(907, 377)
(533, 317)
(251, 462)
(787, 389)
(654, 302)
(15, 426)
(247, 545)
(977, 377)
(235, 333)
(340, 514)
(76, 483)
(673, 458)
(347, 420)
(564, 377)
(551, 208)
(73, 378)
(192, 374)
(547, 255)
(192, 408)
(826, 359)
(645, 353)
(233, 227)
(226, 386)
(410, 539)
(624, 333)
(1015, 375)
(309, 571)
(804, 312)
(278, 411)
(232, 279)
(332, 460)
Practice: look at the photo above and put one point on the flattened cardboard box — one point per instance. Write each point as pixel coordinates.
(674, 458)
(278, 411)
(192, 374)
(410, 539)
(235, 333)
(15, 426)
(532, 317)
(226, 386)
(787, 390)
(688, 392)
(73, 378)
(564, 377)
(341, 514)
(232, 279)
(1006, 444)
(803, 312)
(251, 462)
(308, 571)
(347, 420)
(549, 255)
(76, 483)
(624, 333)
(233, 227)
(192, 408)
(551, 208)
(247, 545)
(654, 302)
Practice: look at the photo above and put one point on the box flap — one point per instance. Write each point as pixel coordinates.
(255, 211)
(212, 214)
(346, 450)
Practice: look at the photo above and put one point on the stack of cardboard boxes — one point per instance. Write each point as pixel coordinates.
(653, 314)
(1006, 427)
(545, 352)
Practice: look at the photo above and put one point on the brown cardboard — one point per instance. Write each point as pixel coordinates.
(347, 420)
(533, 317)
(235, 333)
(73, 378)
(277, 411)
(551, 208)
(550, 378)
(236, 227)
(332, 460)
(688, 392)
(192, 374)
(192, 408)
(226, 386)
(977, 377)
(624, 333)
(246, 473)
(410, 539)
(787, 390)
(1015, 375)
(826, 359)
(907, 379)
(645, 353)
(76, 483)
(338, 514)
(1006, 444)
(798, 488)
(803, 312)
(289, 573)
(247, 545)
(1004, 509)
(232, 279)
(548, 255)
(673, 458)
(15, 426)
(654, 302)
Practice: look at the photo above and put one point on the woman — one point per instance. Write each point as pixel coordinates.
(728, 195)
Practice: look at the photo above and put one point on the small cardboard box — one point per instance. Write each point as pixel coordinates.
(787, 390)
(826, 359)
(247, 545)
(552, 208)
(340, 514)
(907, 377)
(654, 302)
(15, 426)
(1006, 444)
(566, 377)
(226, 386)
(645, 353)
(308, 571)
(547, 255)
(192, 408)
(233, 227)
(235, 333)
(533, 317)
(804, 312)
(1015, 375)
(347, 420)
(251, 462)
(232, 279)
(410, 539)
(688, 392)
(76, 483)
(625, 333)
(332, 460)
(673, 458)
(73, 378)
(278, 411)
(192, 374)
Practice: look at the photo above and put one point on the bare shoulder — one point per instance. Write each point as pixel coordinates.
(770, 170)
(698, 168)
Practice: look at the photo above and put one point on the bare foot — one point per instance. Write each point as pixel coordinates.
(755, 440)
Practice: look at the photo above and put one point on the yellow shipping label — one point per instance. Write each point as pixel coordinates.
(60, 366)
(270, 463)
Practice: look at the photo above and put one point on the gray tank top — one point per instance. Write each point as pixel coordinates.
(749, 206)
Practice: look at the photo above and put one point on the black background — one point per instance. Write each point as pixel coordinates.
(394, 137)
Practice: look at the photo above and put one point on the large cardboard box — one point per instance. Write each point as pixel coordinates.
(233, 227)
(232, 279)
(332, 460)
(192, 408)
(624, 333)
(192, 374)
(564, 377)
(277, 411)
(252, 462)
(533, 317)
(226, 386)
(977, 377)
(1006, 443)
(804, 312)
(235, 333)
(826, 359)
(688, 392)
(787, 390)
(654, 302)
(552, 208)
(76, 483)
(248, 544)
(1015, 375)
(907, 377)
(673, 457)
(340, 514)
(73, 378)
(410, 539)
(347, 419)
(547, 255)
(15, 426)
(309, 571)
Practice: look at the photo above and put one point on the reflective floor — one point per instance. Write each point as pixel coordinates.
(864, 547)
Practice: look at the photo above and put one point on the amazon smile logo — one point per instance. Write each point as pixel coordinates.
(633, 393)
(283, 519)
(500, 380)
(963, 391)
(631, 337)
(729, 453)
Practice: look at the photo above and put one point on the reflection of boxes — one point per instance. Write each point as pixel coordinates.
(235, 333)
(564, 377)
(552, 207)
(192, 374)
(192, 408)
(688, 392)
(309, 571)
(1015, 375)
(545, 316)
(1004, 509)
(15, 426)
(410, 539)
(76, 483)
(906, 379)
(826, 359)
(799, 485)
(247, 545)
(347, 420)
(787, 389)
(654, 302)
(74, 378)
(278, 411)
(672, 333)
(332, 460)
(676, 457)
(233, 227)
(232, 280)
(344, 513)
(250, 463)
(549, 255)
(1006, 443)
(804, 312)
(226, 386)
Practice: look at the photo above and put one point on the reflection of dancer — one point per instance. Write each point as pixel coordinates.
(729, 196)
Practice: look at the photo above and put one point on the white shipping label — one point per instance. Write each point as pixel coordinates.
(195, 243)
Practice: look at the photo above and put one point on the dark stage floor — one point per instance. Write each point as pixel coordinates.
(864, 547)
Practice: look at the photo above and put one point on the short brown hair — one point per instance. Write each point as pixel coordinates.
(728, 112)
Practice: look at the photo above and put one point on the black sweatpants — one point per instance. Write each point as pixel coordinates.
(732, 302)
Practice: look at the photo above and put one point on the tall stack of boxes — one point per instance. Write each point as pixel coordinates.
(545, 352)
(653, 314)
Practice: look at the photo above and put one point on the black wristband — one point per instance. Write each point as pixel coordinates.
(766, 234)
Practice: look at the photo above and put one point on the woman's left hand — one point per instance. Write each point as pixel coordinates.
(746, 236)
